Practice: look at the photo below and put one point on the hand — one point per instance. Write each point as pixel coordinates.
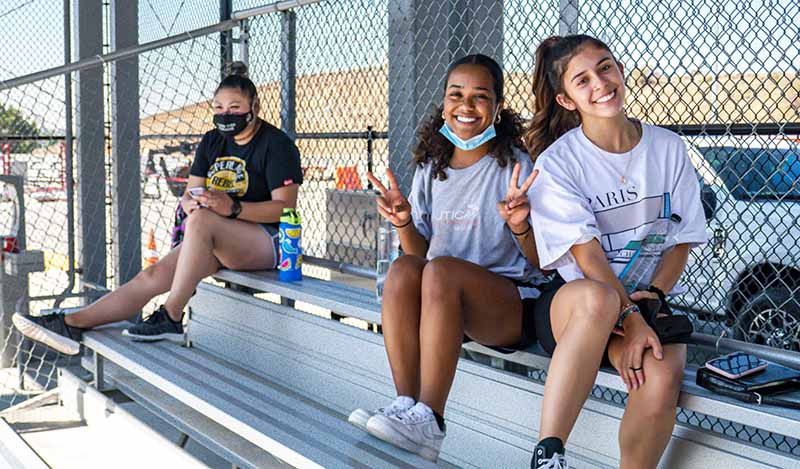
(392, 204)
(515, 207)
(217, 201)
(642, 294)
(189, 205)
(638, 338)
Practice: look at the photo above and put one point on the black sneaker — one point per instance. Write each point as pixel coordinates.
(549, 454)
(51, 330)
(159, 326)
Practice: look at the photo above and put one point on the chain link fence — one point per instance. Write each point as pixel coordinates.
(722, 74)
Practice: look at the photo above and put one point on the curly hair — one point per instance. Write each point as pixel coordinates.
(432, 147)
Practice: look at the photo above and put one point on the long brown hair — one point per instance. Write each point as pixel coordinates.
(550, 120)
(431, 146)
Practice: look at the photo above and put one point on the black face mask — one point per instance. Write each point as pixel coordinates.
(230, 125)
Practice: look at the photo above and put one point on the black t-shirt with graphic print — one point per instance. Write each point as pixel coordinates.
(249, 172)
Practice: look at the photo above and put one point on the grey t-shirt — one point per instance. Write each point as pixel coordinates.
(458, 217)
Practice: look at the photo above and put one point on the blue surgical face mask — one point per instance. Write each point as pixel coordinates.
(471, 143)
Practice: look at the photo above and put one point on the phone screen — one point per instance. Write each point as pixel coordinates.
(737, 363)
(195, 191)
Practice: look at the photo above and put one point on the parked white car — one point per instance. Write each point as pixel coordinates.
(748, 275)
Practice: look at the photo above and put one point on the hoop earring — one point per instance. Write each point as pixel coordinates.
(498, 119)
(443, 116)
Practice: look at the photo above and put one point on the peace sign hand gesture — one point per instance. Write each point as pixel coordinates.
(516, 207)
(392, 204)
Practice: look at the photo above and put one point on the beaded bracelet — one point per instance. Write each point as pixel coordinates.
(627, 311)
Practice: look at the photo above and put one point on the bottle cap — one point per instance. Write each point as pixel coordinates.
(290, 216)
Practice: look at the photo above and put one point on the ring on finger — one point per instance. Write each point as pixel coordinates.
(637, 369)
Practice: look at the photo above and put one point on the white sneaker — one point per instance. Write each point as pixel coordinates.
(359, 417)
(414, 430)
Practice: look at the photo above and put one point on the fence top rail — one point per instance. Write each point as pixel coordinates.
(128, 52)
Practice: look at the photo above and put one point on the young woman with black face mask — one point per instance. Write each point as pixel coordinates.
(244, 174)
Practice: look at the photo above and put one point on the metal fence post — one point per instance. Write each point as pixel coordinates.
(91, 149)
(225, 37)
(288, 72)
(419, 52)
(125, 153)
(568, 14)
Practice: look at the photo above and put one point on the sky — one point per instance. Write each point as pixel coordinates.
(711, 36)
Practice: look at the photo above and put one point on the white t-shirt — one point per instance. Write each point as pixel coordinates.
(580, 195)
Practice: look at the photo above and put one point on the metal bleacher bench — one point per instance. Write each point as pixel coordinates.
(264, 380)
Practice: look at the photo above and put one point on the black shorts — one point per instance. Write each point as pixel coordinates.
(543, 326)
(532, 308)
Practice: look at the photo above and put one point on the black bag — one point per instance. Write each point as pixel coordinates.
(756, 388)
(670, 329)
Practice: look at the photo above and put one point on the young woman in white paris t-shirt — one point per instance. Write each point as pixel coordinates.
(605, 182)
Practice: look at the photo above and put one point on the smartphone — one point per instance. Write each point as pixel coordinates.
(736, 365)
(195, 191)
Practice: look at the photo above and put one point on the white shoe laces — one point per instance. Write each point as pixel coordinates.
(394, 408)
(558, 461)
(413, 415)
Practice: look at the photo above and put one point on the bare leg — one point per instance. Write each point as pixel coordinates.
(400, 311)
(129, 298)
(210, 242)
(241, 245)
(454, 301)
(650, 414)
(582, 316)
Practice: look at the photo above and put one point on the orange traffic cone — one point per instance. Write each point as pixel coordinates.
(151, 256)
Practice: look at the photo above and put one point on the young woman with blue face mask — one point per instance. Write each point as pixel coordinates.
(469, 266)
(244, 174)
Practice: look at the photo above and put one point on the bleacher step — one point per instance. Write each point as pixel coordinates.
(301, 432)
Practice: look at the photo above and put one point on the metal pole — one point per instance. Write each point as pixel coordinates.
(225, 42)
(369, 154)
(288, 73)
(68, 155)
(244, 42)
(568, 12)
(152, 45)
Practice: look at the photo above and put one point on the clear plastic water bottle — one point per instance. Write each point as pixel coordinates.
(388, 250)
(644, 260)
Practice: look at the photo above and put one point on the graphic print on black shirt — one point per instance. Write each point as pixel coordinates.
(250, 172)
(228, 174)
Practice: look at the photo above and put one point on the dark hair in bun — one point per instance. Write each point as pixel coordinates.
(236, 78)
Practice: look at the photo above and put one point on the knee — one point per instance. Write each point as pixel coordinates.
(662, 387)
(404, 276)
(440, 279)
(599, 303)
(200, 222)
(150, 277)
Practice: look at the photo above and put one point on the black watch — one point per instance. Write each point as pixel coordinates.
(236, 210)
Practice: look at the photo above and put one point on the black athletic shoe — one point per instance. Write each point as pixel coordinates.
(51, 330)
(549, 454)
(159, 326)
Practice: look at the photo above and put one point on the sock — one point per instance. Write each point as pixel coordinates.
(439, 420)
(405, 401)
(552, 445)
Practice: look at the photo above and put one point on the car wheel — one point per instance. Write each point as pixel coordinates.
(771, 318)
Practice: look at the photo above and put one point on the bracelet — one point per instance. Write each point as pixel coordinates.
(627, 311)
(397, 227)
(523, 233)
